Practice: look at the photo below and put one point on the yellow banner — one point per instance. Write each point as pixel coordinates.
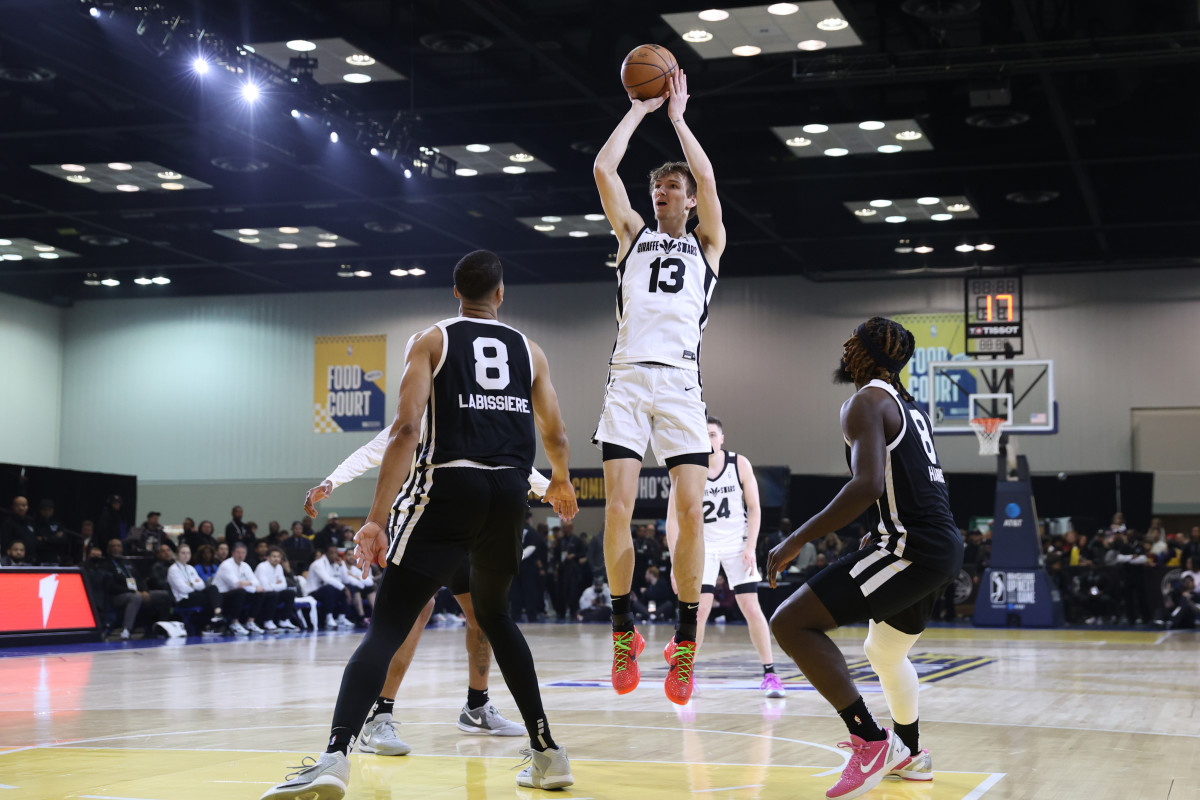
(940, 337)
(349, 383)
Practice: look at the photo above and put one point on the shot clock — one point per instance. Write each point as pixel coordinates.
(994, 316)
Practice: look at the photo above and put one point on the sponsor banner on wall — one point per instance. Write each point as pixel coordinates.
(654, 487)
(349, 387)
(939, 337)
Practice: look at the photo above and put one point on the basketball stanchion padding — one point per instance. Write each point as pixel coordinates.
(989, 430)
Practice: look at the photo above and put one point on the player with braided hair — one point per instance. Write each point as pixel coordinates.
(903, 566)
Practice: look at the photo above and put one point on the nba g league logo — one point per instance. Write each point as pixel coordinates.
(999, 590)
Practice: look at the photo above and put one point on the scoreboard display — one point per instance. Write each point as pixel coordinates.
(994, 319)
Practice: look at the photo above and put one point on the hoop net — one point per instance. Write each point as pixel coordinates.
(989, 430)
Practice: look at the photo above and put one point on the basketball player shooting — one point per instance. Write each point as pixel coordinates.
(666, 278)
(913, 552)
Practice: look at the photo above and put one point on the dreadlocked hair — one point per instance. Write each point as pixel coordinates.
(894, 340)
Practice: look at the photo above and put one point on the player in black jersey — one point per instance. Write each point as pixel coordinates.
(458, 460)
(904, 565)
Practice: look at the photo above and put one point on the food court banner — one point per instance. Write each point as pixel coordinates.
(939, 337)
(349, 383)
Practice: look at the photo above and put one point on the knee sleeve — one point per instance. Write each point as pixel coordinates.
(887, 650)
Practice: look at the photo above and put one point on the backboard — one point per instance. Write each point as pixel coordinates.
(1022, 391)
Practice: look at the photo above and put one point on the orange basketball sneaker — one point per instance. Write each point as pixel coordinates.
(679, 684)
(627, 646)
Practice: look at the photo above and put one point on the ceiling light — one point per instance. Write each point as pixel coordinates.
(356, 77)
(551, 219)
(333, 136)
(160, 280)
(612, 262)
(798, 141)
(923, 249)
(889, 148)
(110, 282)
(697, 36)
(407, 173)
(168, 175)
(5, 242)
(812, 44)
(958, 207)
(248, 231)
(250, 91)
(360, 60)
(173, 187)
(880, 203)
(514, 170)
(713, 15)
(79, 179)
(345, 273)
(543, 228)
(833, 24)
(782, 9)
(326, 244)
(200, 66)
(466, 173)
(72, 167)
(815, 127)
(928, 201)
(295, 113)
(248, 240)
(399, 273)
(362, 273)
(904, 249)
(286, 230)
(908, 136)
(43, 248)
(941, 217)
(301, 45)
(329, 237)
(48, 255)
(90, 282)
(871, 125)
(896, 218)
(964, 248)
(416, 271)
(12, 257)
(837, 151)
(120, 166)
(143, 281)
(127, 187)
(746, 50)
(94, 12)
(865, 212)
(478, 148)
(593, 217)
(288, 245)
(578, 234)
(985, 246)
(374, 151)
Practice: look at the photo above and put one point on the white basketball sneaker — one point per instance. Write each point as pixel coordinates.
(379, 736)
(917, 767)
(488, 721)
(323, 779)
(548, 769)
(270, 626)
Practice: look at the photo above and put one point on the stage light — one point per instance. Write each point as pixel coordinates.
(94, 12)
(295, 114)
(374, 151)
(200, 66)
(250, 92)
(407, 173)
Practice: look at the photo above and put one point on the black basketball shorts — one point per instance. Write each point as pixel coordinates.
(451, 513)
(875, 584)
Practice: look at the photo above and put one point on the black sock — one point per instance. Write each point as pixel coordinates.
(476, 698)
(382, 706)
(340, 741)
(908, 735)
(622, 620)
(768, 669)
(687, 622)
(539, 736)
(860, 722)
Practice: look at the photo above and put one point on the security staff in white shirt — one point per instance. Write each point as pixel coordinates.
(241, 595)
(189, 588)
(325, 584)
(279, 601)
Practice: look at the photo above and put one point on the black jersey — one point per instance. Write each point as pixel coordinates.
(480, 408)
(912, 518)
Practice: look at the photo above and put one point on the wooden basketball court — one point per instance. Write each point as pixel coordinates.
(1006, 714)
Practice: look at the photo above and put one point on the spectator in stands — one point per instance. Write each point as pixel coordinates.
(222, 553)
(1156, 545)
(330, 535)
(235, 529)
(646, 553)
(274, 536)
(657, 599)
(569, 549)
(251, 535)
(360, 588)
(306, 527)
(1118, 523)
(189, 589)
(831, 546)
(241, 596)
(206, 562)
(1193, 570)
(164, 559)
(974, 555)
(201, 537)
(725, 602)
(53, 543)
(1182, 605)
(15, 555)
(821, 563)
(302, 601)
(126, 593)
(595, 555)
(87, 532)
(298, 549)
(279, 601)
(261, 548)
(1192, 548)
(188, 527)
(328, 589)
(19, 526)
(595, 604)
(111, 524)
(153, 534)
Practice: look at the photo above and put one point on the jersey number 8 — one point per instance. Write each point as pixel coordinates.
(491, 369)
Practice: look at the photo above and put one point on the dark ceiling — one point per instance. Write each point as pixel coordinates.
(1106, 88)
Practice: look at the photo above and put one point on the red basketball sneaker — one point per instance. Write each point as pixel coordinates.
(678, 685)
(627, 646)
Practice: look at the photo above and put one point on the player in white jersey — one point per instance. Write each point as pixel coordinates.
(665, 279)
(732, 515)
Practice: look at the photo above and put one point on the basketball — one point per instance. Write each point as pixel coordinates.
(646, 71)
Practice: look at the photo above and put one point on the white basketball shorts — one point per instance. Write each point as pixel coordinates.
(656, 404)
(728, 556)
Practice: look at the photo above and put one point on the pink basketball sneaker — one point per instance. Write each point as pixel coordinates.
(869, 763)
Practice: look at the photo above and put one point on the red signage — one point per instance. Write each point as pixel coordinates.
(39, 600)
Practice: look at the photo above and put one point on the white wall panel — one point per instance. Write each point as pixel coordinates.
(31, 350)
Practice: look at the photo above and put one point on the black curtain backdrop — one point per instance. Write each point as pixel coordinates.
(77, 495)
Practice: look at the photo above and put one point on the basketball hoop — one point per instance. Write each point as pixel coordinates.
(989, 430)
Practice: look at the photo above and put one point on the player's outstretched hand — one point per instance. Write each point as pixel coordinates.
(646, 106)
(781, 555)
(370, 546)
(316, 495)
(678, 94)
(561, 497)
